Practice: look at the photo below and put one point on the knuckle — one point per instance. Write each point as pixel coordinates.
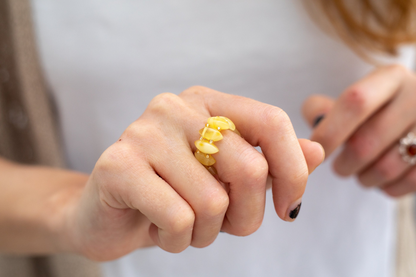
(181, 222)
(355, 99)
(216, 205)
(360, 147)
(136, 131)
(255, 168)
(142, 131)
(118, 158)
(114, 157)
(275, 117)
(386, 169)
(195, 90)
(164, 103)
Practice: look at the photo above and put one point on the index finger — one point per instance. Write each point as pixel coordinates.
(270, 128)
(356, 105)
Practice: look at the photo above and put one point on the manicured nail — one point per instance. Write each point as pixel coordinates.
(294, 210)
(317, 120)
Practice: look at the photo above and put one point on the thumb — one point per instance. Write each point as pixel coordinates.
(315, 108)
(314, 153)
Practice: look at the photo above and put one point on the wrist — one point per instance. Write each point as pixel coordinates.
(62, 221)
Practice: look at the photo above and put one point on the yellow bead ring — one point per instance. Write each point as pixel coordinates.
(209, 134)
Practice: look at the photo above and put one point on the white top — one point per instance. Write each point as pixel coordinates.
(105, 60)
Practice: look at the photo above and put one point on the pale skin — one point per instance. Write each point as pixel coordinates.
(124, 205)
(369, 118)
(148, 188)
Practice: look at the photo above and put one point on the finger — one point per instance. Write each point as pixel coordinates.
(314, 153)
(388, 168)
(141, 189)
(174, 161)
(173, 219)
(378, 134)
(270, 128)
(197, 187)
(244, 170)
(407, 184)
(315, 107)
(356, 105)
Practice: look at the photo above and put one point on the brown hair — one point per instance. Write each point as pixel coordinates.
(370, 25)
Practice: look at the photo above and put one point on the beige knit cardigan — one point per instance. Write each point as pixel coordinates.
(27, 130)
(28, 135)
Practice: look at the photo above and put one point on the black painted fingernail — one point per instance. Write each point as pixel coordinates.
(294, 213)
(317, 120)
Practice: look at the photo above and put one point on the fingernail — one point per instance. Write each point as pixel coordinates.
(294, 210)
(317, 120)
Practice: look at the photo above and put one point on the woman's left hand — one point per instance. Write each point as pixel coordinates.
(370, 118)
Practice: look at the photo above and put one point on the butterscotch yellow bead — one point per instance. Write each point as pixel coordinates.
(212, 170)
(230, 123)
(204, 159)
(218, 122)
(210, 134)
(205, 147)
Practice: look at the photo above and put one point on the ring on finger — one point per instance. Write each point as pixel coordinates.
(209, 134)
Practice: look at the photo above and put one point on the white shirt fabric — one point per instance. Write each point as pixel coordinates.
(105, 60)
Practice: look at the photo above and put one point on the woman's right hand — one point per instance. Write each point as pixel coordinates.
(148, 188)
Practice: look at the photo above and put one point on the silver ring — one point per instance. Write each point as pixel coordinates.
(407, 148)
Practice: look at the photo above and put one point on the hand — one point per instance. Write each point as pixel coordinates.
(148, 188)
(370, 118)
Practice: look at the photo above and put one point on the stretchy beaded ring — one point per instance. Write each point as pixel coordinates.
(210, 133)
